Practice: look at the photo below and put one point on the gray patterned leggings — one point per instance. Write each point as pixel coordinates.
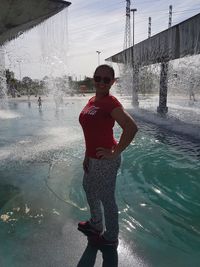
(99, 185)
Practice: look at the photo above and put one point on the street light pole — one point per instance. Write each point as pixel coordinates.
(98, 52)
(133, 10)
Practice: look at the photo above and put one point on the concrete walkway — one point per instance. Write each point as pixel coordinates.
(183, 115)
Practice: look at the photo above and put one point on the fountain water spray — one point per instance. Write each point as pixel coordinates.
(54, 47)
(3, 89)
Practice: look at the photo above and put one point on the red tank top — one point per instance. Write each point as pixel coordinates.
(97, 124)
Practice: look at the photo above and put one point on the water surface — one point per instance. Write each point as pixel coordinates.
(157, 188)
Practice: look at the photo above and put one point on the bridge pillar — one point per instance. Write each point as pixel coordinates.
(162, 108)
(135, 101)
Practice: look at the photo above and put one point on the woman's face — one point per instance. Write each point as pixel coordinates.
(103, 80)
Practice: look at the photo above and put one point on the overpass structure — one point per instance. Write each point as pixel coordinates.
(18, 16)
(176, 42)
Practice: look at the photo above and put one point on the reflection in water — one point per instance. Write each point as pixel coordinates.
(109, 255)
(40, 111)
(89, 257)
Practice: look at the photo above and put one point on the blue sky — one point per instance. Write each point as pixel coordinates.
(92, 25)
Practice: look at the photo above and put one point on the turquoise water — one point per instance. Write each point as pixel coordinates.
(157, 188)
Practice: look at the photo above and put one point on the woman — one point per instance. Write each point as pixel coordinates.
(102, 157)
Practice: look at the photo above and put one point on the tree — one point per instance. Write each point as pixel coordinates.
(148, 80)
(26, 84)
(9, 76)
(87, 83)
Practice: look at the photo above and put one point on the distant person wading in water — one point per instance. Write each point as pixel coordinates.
(102, 157)
(39, 102)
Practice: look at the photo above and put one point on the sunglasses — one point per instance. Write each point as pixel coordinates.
(105, 80)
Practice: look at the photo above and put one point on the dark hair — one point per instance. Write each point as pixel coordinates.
(104, 66)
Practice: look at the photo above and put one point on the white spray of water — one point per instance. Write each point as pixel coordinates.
(54, 47)
(3, 88)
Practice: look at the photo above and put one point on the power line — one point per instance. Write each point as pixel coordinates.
(186, 10)
(165, 12)
(90, 27)
(155, 12)
(107, 24)
(106, 7)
